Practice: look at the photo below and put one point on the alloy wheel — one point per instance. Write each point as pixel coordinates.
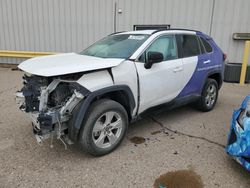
(107, 129)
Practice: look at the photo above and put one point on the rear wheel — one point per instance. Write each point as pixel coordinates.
(104, 128)
(209, 95)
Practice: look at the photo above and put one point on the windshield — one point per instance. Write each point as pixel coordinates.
(116, 46)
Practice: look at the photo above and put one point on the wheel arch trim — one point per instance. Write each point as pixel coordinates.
(213, 73)
(77, 124)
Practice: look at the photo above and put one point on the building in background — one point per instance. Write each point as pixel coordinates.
(72, 25)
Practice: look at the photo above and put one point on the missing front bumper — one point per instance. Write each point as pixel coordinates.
(50, 105)
(53, 122)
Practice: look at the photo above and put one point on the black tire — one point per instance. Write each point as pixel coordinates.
(99, 111)
(203, 103)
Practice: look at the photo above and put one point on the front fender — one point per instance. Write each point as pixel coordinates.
(78, 116)
(96, 80)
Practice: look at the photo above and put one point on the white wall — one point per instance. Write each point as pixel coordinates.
(72, 25)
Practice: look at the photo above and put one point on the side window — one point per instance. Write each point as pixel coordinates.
(203, 51)
(206, 45)
(165, 45)
(190, 45)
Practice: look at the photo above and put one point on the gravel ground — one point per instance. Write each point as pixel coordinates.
(23, 163)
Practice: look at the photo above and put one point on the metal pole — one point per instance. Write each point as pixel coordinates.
(244, 63)
(212, 19)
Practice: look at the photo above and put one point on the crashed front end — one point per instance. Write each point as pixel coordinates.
(50, 102)
(238, 144)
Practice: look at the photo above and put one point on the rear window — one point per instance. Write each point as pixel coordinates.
(190, 45)
(206, 45)
(203, 51)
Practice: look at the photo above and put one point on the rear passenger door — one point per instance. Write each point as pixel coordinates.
(189, 49)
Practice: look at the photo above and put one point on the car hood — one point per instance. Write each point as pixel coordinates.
(67, 63)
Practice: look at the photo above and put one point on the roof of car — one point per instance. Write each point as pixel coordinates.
(150, 32)
(146, 32)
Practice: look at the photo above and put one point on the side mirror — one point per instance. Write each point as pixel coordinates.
(153, 57)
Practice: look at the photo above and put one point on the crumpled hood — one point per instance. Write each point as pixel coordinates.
(66, 63)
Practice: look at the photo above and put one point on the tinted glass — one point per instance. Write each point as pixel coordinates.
(206, 45)
(165, 45)
(190, 45)
(201, 46)
(116, 46)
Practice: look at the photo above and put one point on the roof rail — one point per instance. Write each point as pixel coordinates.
(180, 29)
(116, 32)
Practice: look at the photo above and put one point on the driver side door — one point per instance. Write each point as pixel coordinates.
(163, 81)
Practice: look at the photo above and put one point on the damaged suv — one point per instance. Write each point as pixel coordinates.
(89, 98)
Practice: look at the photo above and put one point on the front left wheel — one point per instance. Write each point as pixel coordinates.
(104, 128)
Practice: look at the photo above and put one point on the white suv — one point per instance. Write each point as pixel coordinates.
(90, 97)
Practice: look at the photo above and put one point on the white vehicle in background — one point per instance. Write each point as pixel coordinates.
(90, 98)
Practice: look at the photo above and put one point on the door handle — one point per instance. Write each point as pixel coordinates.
(207, 61)
(178, 69)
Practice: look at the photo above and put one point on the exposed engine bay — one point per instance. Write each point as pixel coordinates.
(50, 102)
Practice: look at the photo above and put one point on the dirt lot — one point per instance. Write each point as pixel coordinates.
(23, 163)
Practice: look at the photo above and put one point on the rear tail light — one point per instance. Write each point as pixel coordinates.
(224, 56)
